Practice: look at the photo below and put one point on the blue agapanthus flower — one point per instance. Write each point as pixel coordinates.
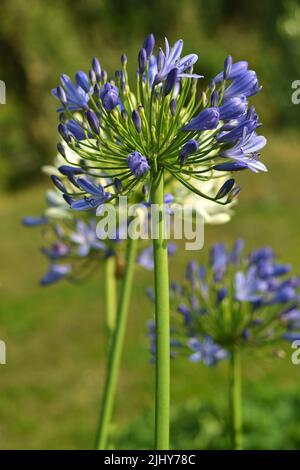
(237, 301)
(130, 135)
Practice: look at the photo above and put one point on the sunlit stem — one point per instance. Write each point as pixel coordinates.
(115, 350)
(162, 320)
(235, 399)
(110, 294)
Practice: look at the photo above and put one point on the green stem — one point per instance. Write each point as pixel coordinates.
(110, 294)
(116, 347)
(162, 320)
(235, 399)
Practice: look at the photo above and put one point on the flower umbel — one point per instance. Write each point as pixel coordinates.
(131, 135)
(238, 301)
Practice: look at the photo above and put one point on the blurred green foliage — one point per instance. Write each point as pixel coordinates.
(270, 423)
(39, 40)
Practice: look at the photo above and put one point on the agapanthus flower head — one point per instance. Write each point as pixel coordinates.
(73, 243)
(161, 125)
(236, 301)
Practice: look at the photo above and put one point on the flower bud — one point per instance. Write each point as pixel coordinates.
(188, 149)
(225, 189)
(142, 60)
(215, 97)
(61, 149)
(58, 183)
(93, 121)
(136, 120)
(64, 132)
(97, 68)
(83, 81)
(92, 76)
(171, 81)
(61, 94)
(227, 67)
(173, 107)
(206, 120)
(149, 44)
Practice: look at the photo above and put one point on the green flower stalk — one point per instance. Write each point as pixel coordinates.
(235, 399)
(115, 350)
(110, 295)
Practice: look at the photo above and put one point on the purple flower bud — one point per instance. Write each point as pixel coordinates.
(233, 193)
(58, 183)
(227, 66)
(142, 59)
(245, 84)
(97, 68)
(64, 132)
(171, 81)
(138, 164)
(136, 120)
(225, 189)
(93, 121)
(123, 59)
(61, 94)
(236, 69)
(189, 148)
(104, 75)
(160, 59)
(109, 95)
(61, 149)
(92, 76)
(205, 120)
(215, 97)
(68, 199)
(233, 108)
(68, 170)
(83, 81)
(149, 44)
(173, 107)
(230, 166)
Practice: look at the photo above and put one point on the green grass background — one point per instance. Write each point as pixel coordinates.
(56, 346)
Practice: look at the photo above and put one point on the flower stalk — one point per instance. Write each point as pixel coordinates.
(162, 319)
(110, 294)
(235, 399)
(116, 347)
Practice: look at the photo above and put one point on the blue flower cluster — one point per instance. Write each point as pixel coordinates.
(73, 249)
(237, 301)
(162, 126)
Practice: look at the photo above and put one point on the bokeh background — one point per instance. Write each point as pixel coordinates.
(56, 346)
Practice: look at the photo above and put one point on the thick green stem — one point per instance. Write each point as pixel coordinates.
(116, 347)
(162, 319)
(110, 294)
(235, 399)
